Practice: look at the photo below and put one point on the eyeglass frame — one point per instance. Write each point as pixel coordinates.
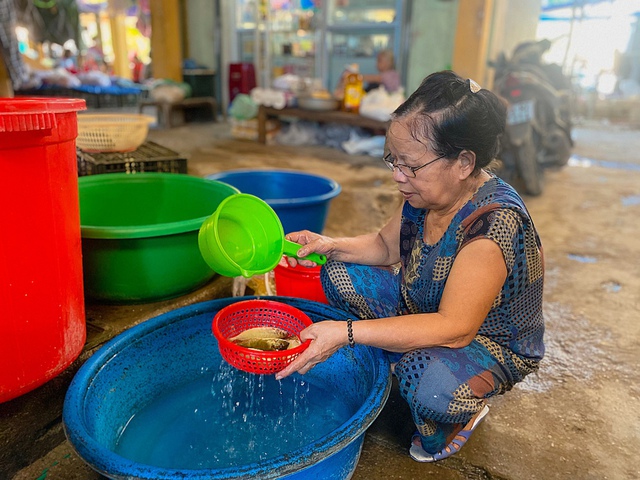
(400, 166)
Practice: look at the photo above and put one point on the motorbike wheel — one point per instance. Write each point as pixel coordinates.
(560, 144)
(507, 170)
(529, 169)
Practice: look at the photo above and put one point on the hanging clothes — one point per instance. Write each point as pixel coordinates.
(9, 50)
(55, 21)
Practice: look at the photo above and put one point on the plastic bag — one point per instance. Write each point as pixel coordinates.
(334, 134)
(243, 107)
(373, 146)
(170, 91)
(95, 77)
(270, 97)
(61, 78)
(379, 104)
(299, 133)
(287, 82)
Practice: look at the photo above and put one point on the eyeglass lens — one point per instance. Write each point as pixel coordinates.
(404, 169)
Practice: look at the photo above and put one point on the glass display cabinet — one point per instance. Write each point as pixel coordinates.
(317, 38)
(357, 30)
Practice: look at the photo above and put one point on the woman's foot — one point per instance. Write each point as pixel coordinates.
(419, 455)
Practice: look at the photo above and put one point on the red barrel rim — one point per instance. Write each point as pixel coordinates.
(31, 105)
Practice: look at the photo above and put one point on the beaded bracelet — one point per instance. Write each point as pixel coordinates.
(350, 333)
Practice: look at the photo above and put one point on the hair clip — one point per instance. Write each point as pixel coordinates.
(474, 87)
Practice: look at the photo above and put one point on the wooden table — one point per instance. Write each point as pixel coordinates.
(334, 116)
(166, 109)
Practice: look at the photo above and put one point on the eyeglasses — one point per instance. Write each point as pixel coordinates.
(406, 170)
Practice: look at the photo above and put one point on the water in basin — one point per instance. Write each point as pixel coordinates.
(231, 418)
(158, 402)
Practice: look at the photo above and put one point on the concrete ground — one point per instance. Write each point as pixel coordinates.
(577, 418)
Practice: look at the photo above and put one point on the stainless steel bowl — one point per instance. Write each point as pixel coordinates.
(322, 104)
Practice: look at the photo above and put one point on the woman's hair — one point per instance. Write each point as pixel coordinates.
(449, 114)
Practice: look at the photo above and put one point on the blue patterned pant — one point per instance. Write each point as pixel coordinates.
(444, 387)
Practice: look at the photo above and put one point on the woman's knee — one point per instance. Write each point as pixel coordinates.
(336, 284)
(436, 386)
(365, 291)
(448, 385)
(426, 383)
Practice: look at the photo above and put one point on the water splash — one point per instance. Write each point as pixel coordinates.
(580, 161)
(631, 200)
(582, 258)
(573, 350)
(611, 286)
(230, 417)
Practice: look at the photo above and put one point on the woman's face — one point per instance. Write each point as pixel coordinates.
(384, 63)
(436, 185)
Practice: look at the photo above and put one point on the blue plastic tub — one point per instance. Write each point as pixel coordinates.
(301, 200)
(178, 347)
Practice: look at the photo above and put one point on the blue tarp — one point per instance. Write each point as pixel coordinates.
(96, 97)
(96, 90)
(112, 90)
(548, 5)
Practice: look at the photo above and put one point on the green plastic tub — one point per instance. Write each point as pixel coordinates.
(140, 234)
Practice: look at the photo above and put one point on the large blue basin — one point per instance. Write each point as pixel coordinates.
(300, 199)
(146, 360)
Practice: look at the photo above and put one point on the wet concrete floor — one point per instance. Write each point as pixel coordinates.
(579, 416)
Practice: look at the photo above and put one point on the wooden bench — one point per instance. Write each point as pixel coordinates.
(165, 110)
(316, 116)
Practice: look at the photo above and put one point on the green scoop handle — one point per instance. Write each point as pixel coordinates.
(291, 249)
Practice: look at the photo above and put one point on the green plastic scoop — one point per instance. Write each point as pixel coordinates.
(244, 236)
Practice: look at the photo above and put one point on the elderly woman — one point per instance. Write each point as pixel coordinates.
(452, 285)
(387, 75)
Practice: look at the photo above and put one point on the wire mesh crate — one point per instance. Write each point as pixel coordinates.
(149, 157)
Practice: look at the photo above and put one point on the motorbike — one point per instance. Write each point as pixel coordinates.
(538, 129)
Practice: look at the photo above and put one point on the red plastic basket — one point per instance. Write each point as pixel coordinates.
(238, 317)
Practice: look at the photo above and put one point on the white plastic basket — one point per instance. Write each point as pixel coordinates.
(112, 132)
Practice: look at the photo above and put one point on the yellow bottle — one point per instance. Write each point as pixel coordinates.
(353, 90)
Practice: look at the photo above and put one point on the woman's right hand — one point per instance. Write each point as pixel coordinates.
(326, 338)
(311, 243)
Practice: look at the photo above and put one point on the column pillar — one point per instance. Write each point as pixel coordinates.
(166, 41)
(471, 45)
(6, 89)
(121, 66)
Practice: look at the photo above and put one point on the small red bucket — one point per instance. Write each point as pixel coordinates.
(300, 282)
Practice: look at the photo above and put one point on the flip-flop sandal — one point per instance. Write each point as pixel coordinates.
(419, 455)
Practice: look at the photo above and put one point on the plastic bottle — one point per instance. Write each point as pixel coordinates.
(353, 89)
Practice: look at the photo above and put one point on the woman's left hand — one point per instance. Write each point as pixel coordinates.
(326, 338)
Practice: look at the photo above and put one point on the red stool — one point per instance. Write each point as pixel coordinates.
(242, 79)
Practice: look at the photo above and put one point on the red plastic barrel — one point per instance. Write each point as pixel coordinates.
(300, 282)
(42, 322)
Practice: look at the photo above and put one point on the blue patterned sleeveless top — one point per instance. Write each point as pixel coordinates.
(498, 213)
